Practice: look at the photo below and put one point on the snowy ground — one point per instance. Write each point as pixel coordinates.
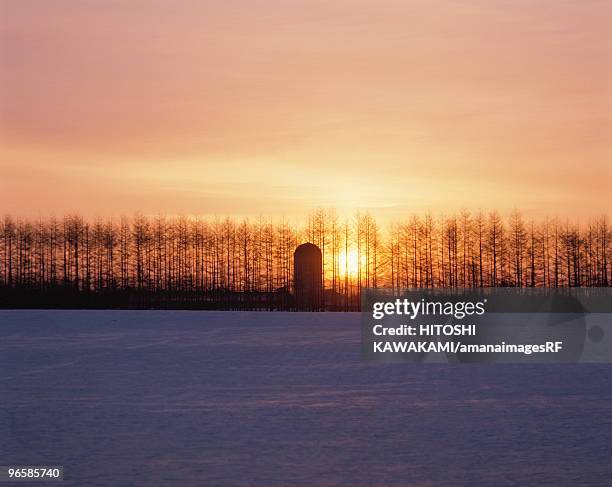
(180, 398)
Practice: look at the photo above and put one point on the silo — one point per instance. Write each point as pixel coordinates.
(308, 277)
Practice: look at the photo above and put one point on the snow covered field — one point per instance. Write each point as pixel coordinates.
(181, 398)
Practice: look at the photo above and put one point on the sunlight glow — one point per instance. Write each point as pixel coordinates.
(348, 263)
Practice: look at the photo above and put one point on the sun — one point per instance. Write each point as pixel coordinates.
(348, 263)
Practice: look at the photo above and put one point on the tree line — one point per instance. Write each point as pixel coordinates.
(248, 264)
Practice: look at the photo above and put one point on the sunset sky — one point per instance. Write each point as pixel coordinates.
(252, 107)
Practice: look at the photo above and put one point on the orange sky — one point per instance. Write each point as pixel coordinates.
(261, 107)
